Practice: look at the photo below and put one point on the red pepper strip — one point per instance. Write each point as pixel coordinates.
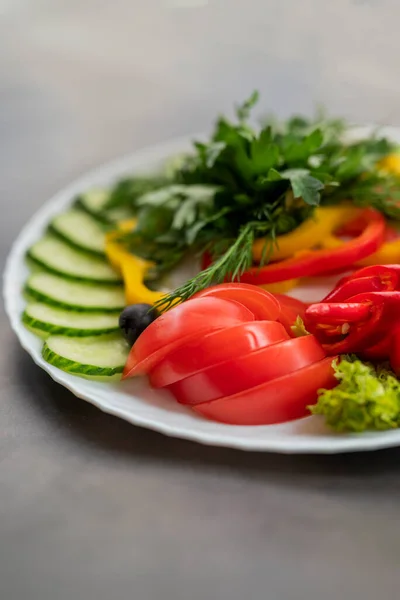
(391, 234)
(390, 302)
(315, 262)
(358, 338)
(379, 352)
(347, 312)
(384, 272)
(326, 321)
(357, 285)
(363, 323)
(355, 227)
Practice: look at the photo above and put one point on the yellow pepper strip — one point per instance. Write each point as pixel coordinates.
(316, 231)
(390, 164)
(132, 268)
(388, 254)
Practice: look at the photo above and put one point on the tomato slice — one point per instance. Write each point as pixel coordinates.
(245, 372)
(291, 308)
(288, 302)
(203, 352)
(262, 304)
(192, 318)
(276, 401)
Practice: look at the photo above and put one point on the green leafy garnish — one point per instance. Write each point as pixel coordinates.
(366, 398)
(126, 192)
(245, 183)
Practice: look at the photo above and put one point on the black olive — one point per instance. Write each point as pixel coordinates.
(134, 319)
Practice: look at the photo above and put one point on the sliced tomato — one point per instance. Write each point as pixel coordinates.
(288, 302)
(248, 371)
(205, 351)
(189, 319)
(262, 304)
(291, 308)
(276, 401)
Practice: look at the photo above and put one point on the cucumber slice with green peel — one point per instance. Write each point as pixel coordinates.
(55, 256)
(80, 230)
(122, 213)
(92, 357)
(52, 320)
(93, 203)
(74, 295)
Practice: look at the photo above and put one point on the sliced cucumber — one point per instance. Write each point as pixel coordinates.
(91, 357)
(52, 320)
(55, 256)
(120, 213)
(74, 295)
(93, 203)
(80, 230)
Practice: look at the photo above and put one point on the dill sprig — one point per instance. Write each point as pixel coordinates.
(237, 259)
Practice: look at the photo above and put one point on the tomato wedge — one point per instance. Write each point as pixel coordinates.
(178, 325)
(245, 372)
(203, 352)
(294, 304)
(262, 304)
(291, 308)
(276, 401)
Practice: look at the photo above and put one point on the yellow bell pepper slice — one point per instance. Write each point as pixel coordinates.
(316, 231)
(390, 163)
(388, 254)
(132, 268)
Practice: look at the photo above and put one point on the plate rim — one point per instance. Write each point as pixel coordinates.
(111, 170)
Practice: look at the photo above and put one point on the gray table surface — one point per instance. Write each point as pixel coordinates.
(91, 507)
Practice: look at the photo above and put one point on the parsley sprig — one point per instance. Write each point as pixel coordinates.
(245, 183)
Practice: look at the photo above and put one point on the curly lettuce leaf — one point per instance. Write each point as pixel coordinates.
(366, 398)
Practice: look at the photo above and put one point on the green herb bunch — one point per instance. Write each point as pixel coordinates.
(246, 183)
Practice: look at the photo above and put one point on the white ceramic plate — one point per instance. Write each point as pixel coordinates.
(134, 401)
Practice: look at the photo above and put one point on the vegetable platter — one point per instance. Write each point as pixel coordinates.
(241, 291)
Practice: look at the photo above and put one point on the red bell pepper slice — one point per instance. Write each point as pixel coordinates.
(379, 351)
(374, 283)
(371, 228)
(316, 262)
(276, 401)
(368, 279)
(354, 325)
(360, 313)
